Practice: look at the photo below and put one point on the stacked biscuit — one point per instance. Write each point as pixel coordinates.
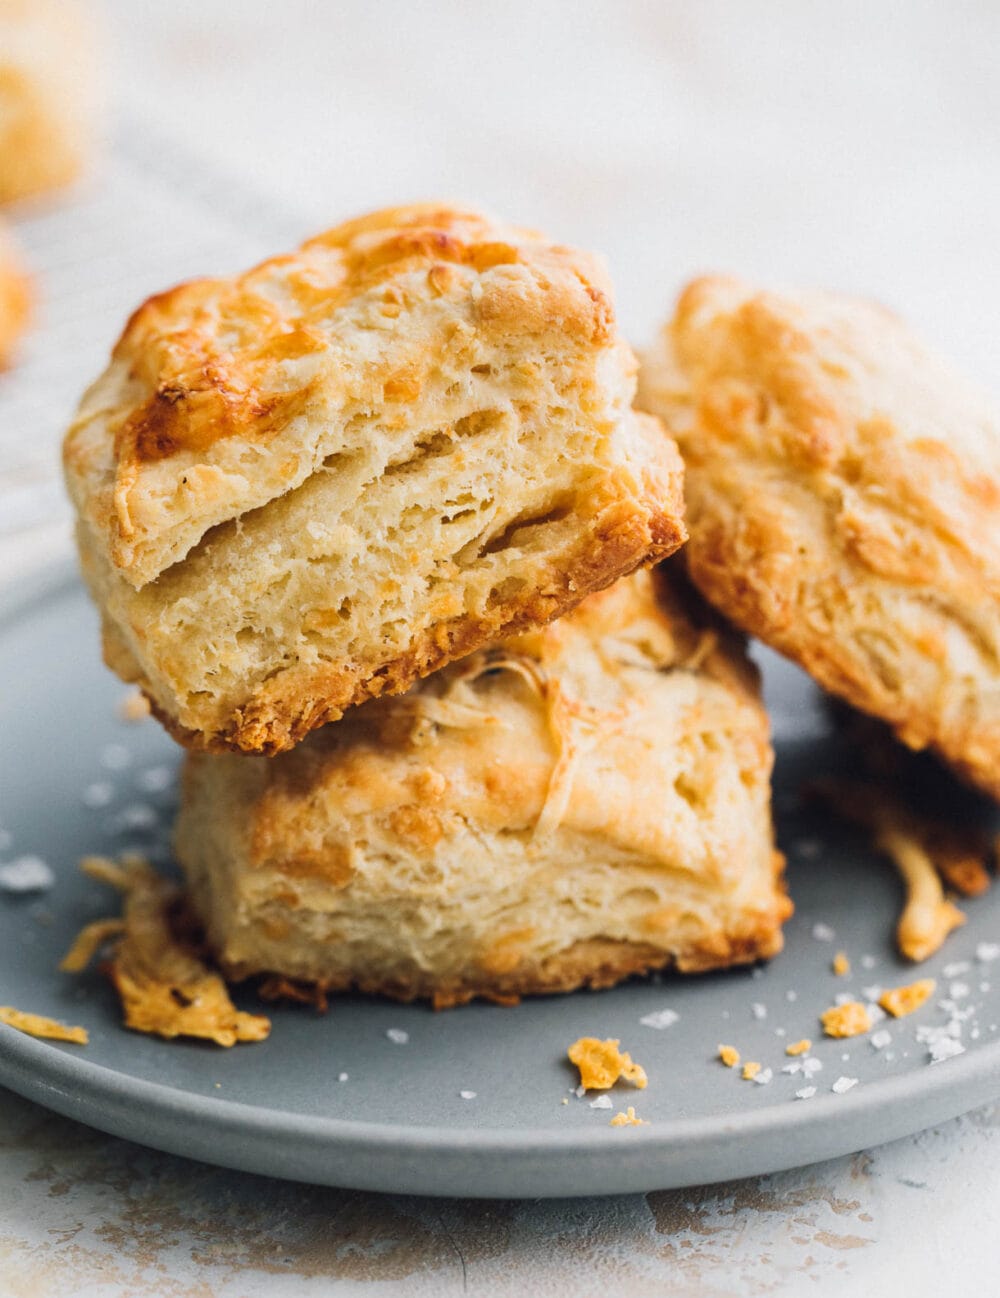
(372, 524)
(329, 510)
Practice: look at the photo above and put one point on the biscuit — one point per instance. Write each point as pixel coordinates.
(15, 300)
(47, 81)
(564, 809)
(843, 490)
(315, 482)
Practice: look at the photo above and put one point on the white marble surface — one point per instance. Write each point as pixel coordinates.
(855, 145)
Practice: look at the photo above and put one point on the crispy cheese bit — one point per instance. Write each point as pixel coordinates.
(729, 1055)
(841, 964)
(849, 1020)
(628, 1119)
(37, 1025)
(750, 1070)
(601, 1064)
(928, 917)
(134, 706)
(88, 942)
(898, 1001)
(799, 1047)
(165, 988)
(919, 849)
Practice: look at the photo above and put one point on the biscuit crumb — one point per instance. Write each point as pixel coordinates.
(898, 1001)
(601, 1064)
(799, 1047)
(841, 964)
(165, 988)
(729, 1055)
(750, 1070)
(628, 1119)
(134, 706)
(37, 1025)
(848, 1020)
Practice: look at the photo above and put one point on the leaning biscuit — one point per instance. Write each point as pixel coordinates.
(844, 504)
(15, 300)
(47, 84)
(563, 809)
(315, 482)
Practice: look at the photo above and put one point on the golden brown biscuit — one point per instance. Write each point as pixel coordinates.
(47, 76)
(315, 482)
(844, 500)
(569, 807)
(15, 299)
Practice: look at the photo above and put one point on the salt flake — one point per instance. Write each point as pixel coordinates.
(843, 1084)
(602, 1102)
(660, 1019)
(806, 1093)
(823, 933)
(398, 1036)
(26, 874)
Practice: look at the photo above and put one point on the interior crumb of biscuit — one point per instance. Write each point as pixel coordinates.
(39, 1025)
(601, 1064)
(166, 988)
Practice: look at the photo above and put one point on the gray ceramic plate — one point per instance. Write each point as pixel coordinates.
(400, 1122)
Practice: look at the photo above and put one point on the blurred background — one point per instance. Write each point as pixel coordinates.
(854, 145)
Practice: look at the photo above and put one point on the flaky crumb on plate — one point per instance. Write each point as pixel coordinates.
(165, 987)
(38, 1025)
(601, 1064)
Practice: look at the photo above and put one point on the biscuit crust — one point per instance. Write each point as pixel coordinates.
(562, 809)
(316, 482)
(15, 300)
(843, 490)
(47, 75)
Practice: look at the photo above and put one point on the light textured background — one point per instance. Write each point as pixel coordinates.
(853, 145)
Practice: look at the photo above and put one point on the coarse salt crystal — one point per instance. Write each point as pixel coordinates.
(945, 1048)
(115, 757)
(154, 779)
(843, 998)
(958, 991)
(955, 968)
(881, 1038)
(986, 952)
(823, 933)
(97, 795)
(871, 993)
(471, 1095)
(660, 1019)
(580, 1092)
(764, 1076)
(26, 874)
(136, 816)
(843, 1084)
(781, 1032)
(398, 1036)
(806, 1093)
(341, 1077)
(758, 1010)
(811, 1065)
(868, 962)
(602, 1102)
(791, 995)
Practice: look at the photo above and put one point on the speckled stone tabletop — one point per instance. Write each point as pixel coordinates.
(852, 145)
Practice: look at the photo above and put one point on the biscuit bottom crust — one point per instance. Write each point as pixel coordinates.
(596, 964)
(283, 710)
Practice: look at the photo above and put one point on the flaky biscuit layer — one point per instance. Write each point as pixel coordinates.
(844, 504)
(562, 809)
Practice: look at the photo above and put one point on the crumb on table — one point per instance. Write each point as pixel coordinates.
(37, 1025)
(628, 1119)
(799, 1047)
(750, 1070)
(841, 964)
(729, 1055)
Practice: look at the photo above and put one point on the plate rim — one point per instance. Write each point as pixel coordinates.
(649, 1157)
